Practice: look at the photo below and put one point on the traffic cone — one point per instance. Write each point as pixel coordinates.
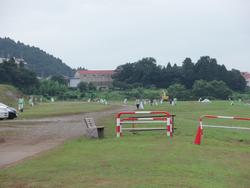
(198, 136)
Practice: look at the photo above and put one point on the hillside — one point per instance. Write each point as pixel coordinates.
(9, 95)
(37, 60)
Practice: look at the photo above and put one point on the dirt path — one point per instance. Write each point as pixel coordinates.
(21, 139)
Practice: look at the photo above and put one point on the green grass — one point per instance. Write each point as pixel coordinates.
(9, 94)
(60, 108)
(147, 159)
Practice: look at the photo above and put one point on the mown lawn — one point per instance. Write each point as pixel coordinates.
(147, 159)
(60, 108)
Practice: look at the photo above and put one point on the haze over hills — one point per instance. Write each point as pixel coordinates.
(37, 60)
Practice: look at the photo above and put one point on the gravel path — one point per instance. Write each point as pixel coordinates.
(21, 139)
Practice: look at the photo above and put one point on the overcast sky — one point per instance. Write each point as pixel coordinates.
(102, 34)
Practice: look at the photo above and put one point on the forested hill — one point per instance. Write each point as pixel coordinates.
(37, 60)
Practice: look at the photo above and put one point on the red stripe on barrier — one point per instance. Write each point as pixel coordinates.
(129, 119)
(161, 112)
(118, 129)
(240, 118)
(141, 112)
(210, 116)
(224, 117)
(159, 118)
(121, 113)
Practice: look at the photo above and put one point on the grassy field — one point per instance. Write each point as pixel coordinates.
(60, 108)
(9, 94)
(147, 159)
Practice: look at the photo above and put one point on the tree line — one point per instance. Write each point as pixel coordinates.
(26, 80)
(18, 76)
(146, 73)
(187, 82)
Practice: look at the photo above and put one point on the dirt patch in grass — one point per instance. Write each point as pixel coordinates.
(20, 139)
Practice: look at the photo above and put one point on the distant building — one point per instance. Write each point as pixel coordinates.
(73, 82)
(101, 79)
(246, 75)
(18, 61)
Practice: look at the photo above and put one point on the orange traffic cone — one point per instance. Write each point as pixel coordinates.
(198, 136)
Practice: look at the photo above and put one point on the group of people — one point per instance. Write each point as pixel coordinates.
(103, 101)
(173, 101)
(139, 103)
(21, 102)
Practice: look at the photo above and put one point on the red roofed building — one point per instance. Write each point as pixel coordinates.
(100, 78)
(246, 75)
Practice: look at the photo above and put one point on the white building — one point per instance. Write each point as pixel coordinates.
(99, 78)
(73, 82)
(18, 61)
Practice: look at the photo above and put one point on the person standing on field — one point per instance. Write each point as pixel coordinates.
(137, 103)
(31, 103)
(20, 104)
(141, 105)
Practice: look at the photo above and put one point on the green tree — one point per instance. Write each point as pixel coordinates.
(91, 87)
(188, 74)
(220, 90)
(135, 93)
(201, 88)
(18, 76)
(214, 89)
(144, 71)
(147, 74)
(207, 69)
(152, 94)
(52, 88)
(83, 87)
(235, 80)
(60, 79)
(179, 91)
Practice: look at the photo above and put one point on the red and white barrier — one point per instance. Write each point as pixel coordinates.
(199, 133)
(165, 118)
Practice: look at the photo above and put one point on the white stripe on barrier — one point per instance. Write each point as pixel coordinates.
(118, 121)
(145, 118)
(226, 127)
(118, 127)
(143, 129)
(140, 122)
(225, 117)
(142, 112)
(168, 121)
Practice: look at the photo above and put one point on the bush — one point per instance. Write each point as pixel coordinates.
(82, 86)
(214, 89)
(71, 94)
(135, 93)
(244, 96)
(152, 94)
(179, 91)
(220, 90)
(51, 88)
